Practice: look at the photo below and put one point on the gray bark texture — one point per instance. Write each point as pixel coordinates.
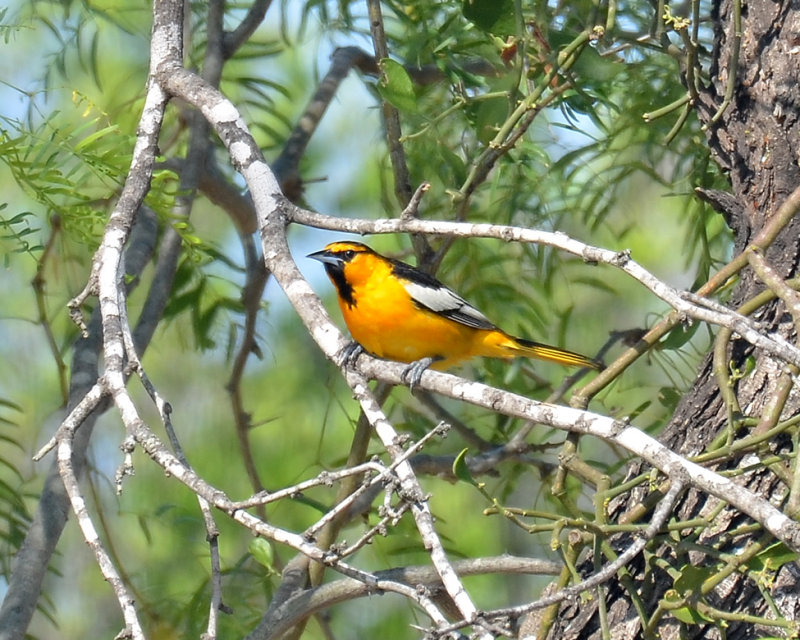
(757, 143)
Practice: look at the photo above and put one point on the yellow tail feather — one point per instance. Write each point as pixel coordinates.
(509, 347)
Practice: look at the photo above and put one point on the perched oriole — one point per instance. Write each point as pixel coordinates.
(397, 312)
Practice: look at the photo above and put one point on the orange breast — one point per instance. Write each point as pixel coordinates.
(387, 323)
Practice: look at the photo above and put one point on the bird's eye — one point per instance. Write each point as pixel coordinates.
(348, 255)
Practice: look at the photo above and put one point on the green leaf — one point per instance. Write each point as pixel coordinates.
(772, 558)
(679, 336)
(493, 16)
(489, 115)
(635, 413)
(261, 550)
(687, 613)
(97, 135)
(668, 397)
(590, 64)
(10, 405)
(460, 468)
(396, 86)
(690, 615)
(691, 578)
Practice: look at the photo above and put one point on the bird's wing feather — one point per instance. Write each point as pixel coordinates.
(446, 303)
(428, 293)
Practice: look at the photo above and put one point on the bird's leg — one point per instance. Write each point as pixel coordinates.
(412, 374)
(350, 353)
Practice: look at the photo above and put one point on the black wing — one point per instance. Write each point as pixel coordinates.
(428, 293)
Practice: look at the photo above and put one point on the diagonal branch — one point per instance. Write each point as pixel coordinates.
(327, 595)
(412, 493)
(133, 628)
(660, 516)
(683, 303)
(275, 211)
(34, 555)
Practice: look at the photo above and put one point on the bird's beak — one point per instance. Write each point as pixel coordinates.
(326, 257)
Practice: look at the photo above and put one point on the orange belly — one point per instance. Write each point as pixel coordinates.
(408, 333)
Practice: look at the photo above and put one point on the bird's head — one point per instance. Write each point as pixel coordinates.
(347, 264)
(339, 257)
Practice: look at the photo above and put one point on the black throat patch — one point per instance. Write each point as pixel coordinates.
(343, 287)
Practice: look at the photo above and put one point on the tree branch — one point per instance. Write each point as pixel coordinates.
(678, 300)
(660, 515)
(309, 601)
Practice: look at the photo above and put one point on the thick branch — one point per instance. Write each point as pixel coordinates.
(691, 307)
(319, 598)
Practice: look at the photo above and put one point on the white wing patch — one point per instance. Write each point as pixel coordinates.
(447, 303)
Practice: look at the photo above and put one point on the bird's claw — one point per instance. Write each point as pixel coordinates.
(412, 374)
(349, 355)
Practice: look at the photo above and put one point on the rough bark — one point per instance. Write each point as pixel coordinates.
(756, 141)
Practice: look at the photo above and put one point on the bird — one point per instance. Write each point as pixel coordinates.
(397, 312)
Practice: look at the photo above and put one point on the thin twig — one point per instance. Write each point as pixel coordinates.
(383, 476)
(38, 284)
(255, 282)
(660, 516)
(286, 165)
(76, 417)
(413, 494)
(323, 479)
(133, 628)
(391, 117)
(253, 18)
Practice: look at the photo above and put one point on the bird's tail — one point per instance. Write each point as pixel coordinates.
(514, 347)
(531, 349)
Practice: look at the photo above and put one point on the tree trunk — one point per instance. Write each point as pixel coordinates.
(756, 140)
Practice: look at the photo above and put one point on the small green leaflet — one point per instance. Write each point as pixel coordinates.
(261, 550)
(396, 86)
(492, 16)
(460, 469)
